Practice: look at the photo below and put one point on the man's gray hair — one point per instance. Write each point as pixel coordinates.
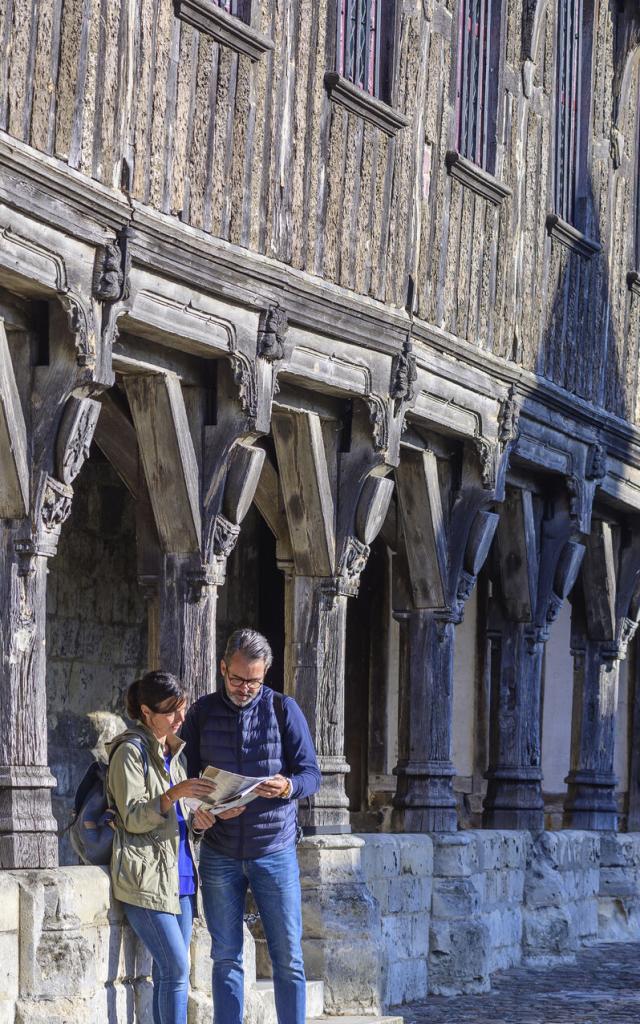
(253, 645)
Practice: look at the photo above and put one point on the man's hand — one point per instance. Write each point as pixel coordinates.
(233, 813)
(273, 787)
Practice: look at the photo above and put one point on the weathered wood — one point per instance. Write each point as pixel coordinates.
(605, 619)
(308, 499)
(14, 467)
(423, 526)
(116, 437)
(519, 626)
(168, 458)
(315, 635)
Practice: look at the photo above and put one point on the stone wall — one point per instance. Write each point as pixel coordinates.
(619, 891)
(387, 919)
(96, 630)
(398, 871)
(560, 911)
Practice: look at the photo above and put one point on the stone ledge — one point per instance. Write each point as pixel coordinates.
(226, 29)
(359, 102)
(571, 237)
(474, 177)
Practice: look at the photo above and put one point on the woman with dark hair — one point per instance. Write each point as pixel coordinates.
(152, 866)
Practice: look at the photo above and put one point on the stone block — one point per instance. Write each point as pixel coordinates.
(454, 898)
(329, 860)
(549, 933)
(407, 895)
(407, 982)
(397, 938)
(459, 957)
(351, 971)
(618, 920)
(9, 902)
(416, 855)
(381, 856)
(617, 881)
(419, 924)
(454, 856)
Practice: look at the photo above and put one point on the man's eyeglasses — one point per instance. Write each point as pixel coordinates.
(239, 681)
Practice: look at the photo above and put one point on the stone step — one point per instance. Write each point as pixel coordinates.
(315, 999)
(365, 1019)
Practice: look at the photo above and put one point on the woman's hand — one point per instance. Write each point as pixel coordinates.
(202, 820)
(195, 788)
(198, 789)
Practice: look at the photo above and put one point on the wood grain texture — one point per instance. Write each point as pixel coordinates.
(168, 457)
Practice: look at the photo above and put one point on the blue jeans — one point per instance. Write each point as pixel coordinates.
(275, 884)
(167, 937)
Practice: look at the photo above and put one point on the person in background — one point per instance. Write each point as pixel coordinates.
(249, 729)
(153, 872)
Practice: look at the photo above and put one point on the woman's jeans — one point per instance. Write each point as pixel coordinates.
(275, 884)
(167, 937)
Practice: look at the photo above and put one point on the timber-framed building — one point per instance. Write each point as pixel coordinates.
(322, 316)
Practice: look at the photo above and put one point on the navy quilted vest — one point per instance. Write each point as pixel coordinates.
(247, 741)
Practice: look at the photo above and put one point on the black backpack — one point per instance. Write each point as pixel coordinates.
(91, 826)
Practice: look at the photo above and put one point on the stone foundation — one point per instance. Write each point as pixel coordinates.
(387, 919)
(619, 888)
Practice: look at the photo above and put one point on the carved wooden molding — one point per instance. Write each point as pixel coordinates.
(359, 102)
(575, 240)
(207, 17)
(475, 178)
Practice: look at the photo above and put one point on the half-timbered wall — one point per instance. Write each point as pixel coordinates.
(139, 99)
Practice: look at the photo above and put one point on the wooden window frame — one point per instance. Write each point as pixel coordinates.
(572, 134)
(376, 109)
(479, 147)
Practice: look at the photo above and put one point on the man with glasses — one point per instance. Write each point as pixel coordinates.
(249, 729)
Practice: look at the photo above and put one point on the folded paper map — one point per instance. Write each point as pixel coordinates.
(228, 790)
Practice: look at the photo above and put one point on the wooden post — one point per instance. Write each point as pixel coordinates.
(40, 456)
(538, 567)
(438, 571)
(315, 634)
(605, 618)
(334, 510)
(424, 800)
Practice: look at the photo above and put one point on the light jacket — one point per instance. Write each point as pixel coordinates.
(248, 740)
(144, 861)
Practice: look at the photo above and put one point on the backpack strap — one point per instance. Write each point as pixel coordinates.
(278, 710)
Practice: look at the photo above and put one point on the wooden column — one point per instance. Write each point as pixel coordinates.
(315, 634)
(438, 571)
(41, 453)
(335, 503)
(605, 618)
(539, 562)
(424, 800)
(27, 826)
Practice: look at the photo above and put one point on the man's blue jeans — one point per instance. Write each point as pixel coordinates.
(275, 884)
(167, 937)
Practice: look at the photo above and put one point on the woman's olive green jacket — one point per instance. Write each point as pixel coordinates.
(144, 861)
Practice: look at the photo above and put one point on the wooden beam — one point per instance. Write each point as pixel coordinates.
(518, 555)
(420, 506)
(14, 462)
(115, 436)
(168, 459)
(308, 499)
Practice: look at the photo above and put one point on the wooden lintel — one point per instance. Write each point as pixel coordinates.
(115, 436)
(14, 463)
(308, 499)
(168, 459)
(420, 505)
(518, 555)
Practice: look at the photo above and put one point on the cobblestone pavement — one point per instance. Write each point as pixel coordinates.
(602, 987)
